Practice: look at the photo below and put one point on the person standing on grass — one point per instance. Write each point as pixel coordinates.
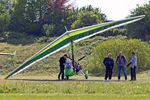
(121, 62)
(109, 64)
(133, 64)
(62, 62)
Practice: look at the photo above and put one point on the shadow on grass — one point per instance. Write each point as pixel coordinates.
(70, 80)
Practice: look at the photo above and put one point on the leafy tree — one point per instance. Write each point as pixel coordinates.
(48, 29)
(85, 19)
(27, 16)
(140, 29)
(4, 15)
(88, 16)
(4, 6)
(59, 4)
(96, 11)
(57, 14)
(30, 16)
(4, 21)
(48, 17)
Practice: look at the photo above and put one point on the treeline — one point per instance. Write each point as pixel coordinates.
(45, 17)
(49, 18)
(140, 29)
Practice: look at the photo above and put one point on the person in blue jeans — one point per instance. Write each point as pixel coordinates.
(121, 62)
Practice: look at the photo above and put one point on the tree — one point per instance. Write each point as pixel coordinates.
(59, 4)
(4, 21)
(57, 13)
(48, 29)
(27, 16)
(4, 6)
(48, 17)
(4, 15)
(140, 29)
(88, 16)
(30, 16)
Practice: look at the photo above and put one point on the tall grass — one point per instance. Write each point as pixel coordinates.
(120, 88)
(72, 97)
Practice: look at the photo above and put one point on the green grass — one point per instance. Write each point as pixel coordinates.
(91, 87)
(121, 88)
(71, 97)
(48, 88)
(76, 91)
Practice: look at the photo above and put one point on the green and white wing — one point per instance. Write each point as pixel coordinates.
(74, 35)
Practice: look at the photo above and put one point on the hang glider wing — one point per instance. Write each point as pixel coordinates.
(12, 54)
(74, 35)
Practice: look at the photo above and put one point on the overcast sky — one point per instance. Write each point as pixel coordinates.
(114, 9)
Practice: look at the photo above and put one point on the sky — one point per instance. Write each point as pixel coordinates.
(114, 9)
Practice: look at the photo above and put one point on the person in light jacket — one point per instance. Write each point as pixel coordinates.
(133, 65)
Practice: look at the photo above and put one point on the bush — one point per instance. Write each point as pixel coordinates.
(115, 32)
(141, 49)
(17, 38)
(44, 39)
(48, 29)
(4, 22)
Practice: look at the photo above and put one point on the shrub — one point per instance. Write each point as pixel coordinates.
(17, 38)
(4, 22)
(48, 29)
(115, 32)
(141, 49)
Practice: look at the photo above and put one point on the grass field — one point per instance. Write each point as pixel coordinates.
(49, 88)
(71, 97)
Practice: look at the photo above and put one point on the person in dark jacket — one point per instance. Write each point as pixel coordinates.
(121, 62)
(133, 64)
(62, 62)
(109, 64)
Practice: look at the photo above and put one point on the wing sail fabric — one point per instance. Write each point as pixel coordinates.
(75, 35)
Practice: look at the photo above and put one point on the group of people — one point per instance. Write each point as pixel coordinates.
(121, 62)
